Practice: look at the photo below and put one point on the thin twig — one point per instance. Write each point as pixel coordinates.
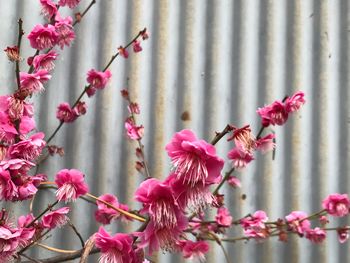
(49, 207)
(20, 34)
(77, 233)
(84, 12)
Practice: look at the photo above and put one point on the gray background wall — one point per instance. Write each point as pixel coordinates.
(218, 60)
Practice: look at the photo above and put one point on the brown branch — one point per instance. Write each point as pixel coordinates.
(19, 40)
(84, 12)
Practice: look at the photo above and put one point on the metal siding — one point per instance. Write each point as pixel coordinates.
(218, 61)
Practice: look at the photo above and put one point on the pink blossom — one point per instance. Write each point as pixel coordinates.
(240, 157)
(195, 198)
(16, 166)
(16, 108)
(27, 125)
(48, 9)
(45, 61)
(70, 185)
(56, 218)
(133, 132)
(274, 114)
(98, 79)
(8, 190)
(90, 91)
(69, 3)
(64, 28)
(7, 131)
(165, 238)
(123, 52)
(134, 108)
(159, 202)
(234, 182)
(65, 113)
(295, 102)
(105, 214)
(194, 250)
(136, 46)
(343, 234)
(337, 204)
(223, 217)
(266, 144)
(12, 53)
(43, 37)
(244, 138)
(28, 149)
(297, 222)
(80, 108)
(116, 249)
(195, 160)
(316, 235)
(254, 225)
(33, 82)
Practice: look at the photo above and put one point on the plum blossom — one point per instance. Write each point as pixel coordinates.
(343, 234)
(65, 113)
(45, 61)
(316, 235)
(70, 185)
(133, 108)
(12, 53)
(48, 8)
(105, 214)
(240, 157)
(16, 166)
(33, 82)
(136, 46)
(223, 217)
(115, 249)
(8, 190)
(43, 37)
(64, 29)
(69, 3)
(133, 131)
(266, 143)
(295, 102)
(28, 149)
(97, 80)
(337, 204)
(194, 250)
(123, 52)
(56, 218)
(254, 225)
(274, 114)
(195, 161)
(297, 222)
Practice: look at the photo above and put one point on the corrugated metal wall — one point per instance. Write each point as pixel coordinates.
(219, 61)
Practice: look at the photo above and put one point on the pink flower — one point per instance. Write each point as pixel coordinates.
(45, 61)
(223, 217)
(194, 250)
(134, 108)
(70, 184)
(295, 102)
(98, 79)
(195, 160)
(266, 144)
(116, 249)
(8, 190)
(64, 29)
(12, 53)
(136, 46)
(337, 204)
(43, 37)
(316, 235)
(133, 132)
(240, 157)
(159, 202)
(49, 8)
(65, 113)
(105, 214)
(164, 238)
(297, 222)
(16, 166)
(56, 218)
(254, 225)
(90, 91)
(80, 108)
(123, 52)
(27, 125)
(16, 108)
(234, 182)
(244, 138)
(343, 234)
(69, 3)
(274, 114)
(28, 149)
(33, 82)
